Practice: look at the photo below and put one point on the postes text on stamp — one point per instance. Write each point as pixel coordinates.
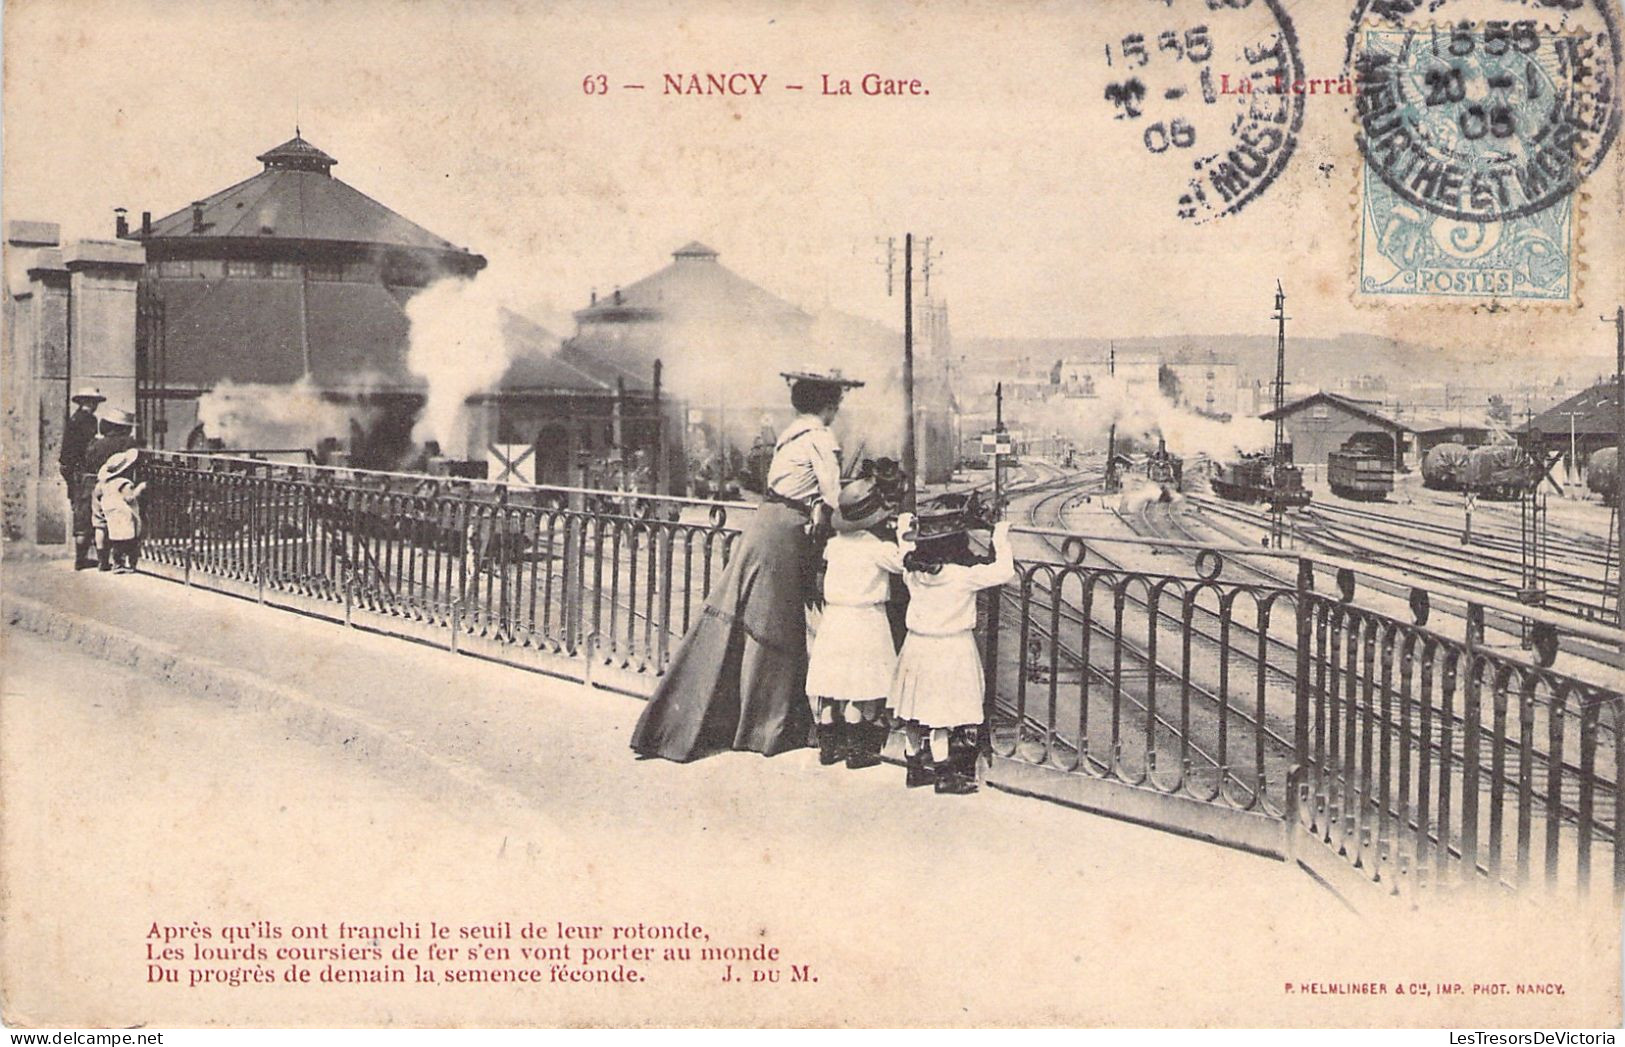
(1476, 135)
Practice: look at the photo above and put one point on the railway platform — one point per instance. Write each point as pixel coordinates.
(518, 793)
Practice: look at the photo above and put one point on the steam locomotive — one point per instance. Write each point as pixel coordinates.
(1164, 468)
(1443, 466)
(1257, 478)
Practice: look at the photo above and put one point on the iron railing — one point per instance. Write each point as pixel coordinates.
(581, 576)
(1424, 756)
(1421, 752)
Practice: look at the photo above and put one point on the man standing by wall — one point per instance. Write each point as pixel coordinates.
(118, 434)
(77, 435)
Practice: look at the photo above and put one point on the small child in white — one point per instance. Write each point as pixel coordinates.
(118, 499)
(850, 666)
(937, 690)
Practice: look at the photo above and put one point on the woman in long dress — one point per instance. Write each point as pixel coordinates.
(738, 679)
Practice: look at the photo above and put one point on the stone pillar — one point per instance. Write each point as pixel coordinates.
(33, 393)
(101, 351)
(70, 318)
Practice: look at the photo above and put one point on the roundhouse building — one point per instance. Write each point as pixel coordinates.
(290, 275)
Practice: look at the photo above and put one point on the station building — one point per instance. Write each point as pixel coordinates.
(1323, 422)
(1587, 420)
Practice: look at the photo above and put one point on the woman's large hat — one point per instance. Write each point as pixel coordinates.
(830, 377)
(122, 462)
(950, 514)
(87, 392)
(862, 506)
(118, 416)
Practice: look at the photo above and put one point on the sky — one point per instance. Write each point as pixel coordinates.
(1049, 216)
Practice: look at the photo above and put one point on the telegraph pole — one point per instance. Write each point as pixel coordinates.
(998, 429)
(1618, 320)
(662, 474)
(910, 464)
(1276, 508)
(1113, 482)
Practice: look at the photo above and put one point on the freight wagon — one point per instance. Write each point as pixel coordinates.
(1356, 471)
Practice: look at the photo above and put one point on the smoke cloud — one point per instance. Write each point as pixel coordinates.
(1144, 415)
(457, 347)
(734, 364)
(246, 416)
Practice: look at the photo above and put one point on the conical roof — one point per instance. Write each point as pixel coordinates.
(296, 198)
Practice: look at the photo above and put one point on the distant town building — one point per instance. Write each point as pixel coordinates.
(1203, 381)
(1135, 374)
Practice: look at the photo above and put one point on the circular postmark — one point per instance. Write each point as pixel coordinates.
(1212, 89)
(1483, 111)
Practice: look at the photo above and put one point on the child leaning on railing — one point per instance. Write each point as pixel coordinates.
(118, 498)
(937, 689)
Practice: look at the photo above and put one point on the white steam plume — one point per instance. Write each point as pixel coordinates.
(248, 416)
(457, 347)
(1144, 414)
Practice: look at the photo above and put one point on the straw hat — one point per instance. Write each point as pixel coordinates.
(830, 377)
(862, 506)
(87, 392)
(118, 416)
(122, 462)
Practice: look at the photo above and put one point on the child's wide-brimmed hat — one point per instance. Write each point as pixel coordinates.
(948, 515)
(119, 464)
(889, 479)
(862, 506)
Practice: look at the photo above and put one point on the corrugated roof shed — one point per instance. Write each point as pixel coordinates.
(1593, 413)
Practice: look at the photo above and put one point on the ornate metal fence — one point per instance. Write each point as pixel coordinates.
(1234, 710)
(582, 577)
(1260, 713)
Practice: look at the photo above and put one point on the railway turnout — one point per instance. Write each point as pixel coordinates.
(1334, 710)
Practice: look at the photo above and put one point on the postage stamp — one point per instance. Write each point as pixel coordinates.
(1476, 138)
(1209, 86)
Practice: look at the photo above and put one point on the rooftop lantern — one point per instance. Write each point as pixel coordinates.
(296, 154)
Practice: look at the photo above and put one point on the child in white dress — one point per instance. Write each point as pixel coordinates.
(937, 689)
(117, 500)
(849, 669)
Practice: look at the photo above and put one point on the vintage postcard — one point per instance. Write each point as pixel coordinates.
(815, 514)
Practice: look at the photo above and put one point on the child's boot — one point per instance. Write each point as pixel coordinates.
(957, 775)
(921, 769)
(866, 739)
(832, 743)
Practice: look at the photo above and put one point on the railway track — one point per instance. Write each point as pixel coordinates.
(1446, 735)
(1337, 541)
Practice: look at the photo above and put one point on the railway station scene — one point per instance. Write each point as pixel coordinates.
(423, 526)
